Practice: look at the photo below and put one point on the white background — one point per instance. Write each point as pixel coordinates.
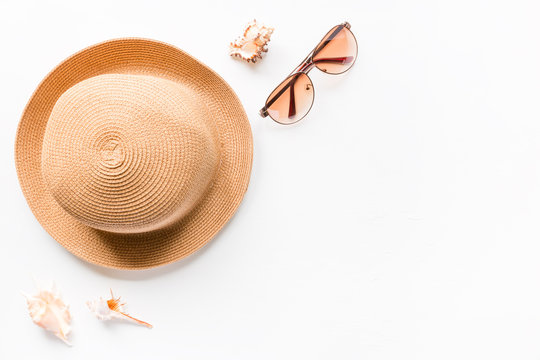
(399, 220)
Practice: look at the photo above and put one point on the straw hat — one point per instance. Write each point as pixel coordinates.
(133, 154)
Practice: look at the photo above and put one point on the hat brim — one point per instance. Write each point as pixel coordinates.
(145, 250)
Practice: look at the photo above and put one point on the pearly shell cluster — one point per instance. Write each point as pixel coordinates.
(252, 43)
(48, 310)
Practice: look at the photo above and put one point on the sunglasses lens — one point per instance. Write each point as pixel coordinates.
(291, 100)
(337, 51)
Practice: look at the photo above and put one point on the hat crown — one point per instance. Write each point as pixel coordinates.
(129, 153)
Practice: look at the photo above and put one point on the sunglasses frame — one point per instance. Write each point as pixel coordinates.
(304, 68)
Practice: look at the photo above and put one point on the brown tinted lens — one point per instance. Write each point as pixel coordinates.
(291, 100)
(337, 51)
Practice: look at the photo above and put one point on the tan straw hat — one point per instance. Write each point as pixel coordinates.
(133, 154)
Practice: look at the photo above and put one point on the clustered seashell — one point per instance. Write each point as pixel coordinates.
(252, 43)
(48, 310)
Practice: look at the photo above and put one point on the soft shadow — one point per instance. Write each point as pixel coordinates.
(261, 66)
(330, 82)
(113, 323)
(146, 274)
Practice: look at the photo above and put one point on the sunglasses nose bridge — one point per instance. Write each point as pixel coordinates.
(305, 66)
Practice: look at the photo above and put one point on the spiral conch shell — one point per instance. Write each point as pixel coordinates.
(112, 309)
(48, 310)
(252, 43)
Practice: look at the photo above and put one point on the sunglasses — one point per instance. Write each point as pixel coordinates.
(293, 98)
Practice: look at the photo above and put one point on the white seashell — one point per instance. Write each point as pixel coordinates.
(252, 43)
(112, 309)
(48, 310)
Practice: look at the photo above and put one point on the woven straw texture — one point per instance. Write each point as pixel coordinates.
(132, 154)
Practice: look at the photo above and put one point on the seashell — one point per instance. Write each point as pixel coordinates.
(112, 309)
(252, 43)
(48, 310)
